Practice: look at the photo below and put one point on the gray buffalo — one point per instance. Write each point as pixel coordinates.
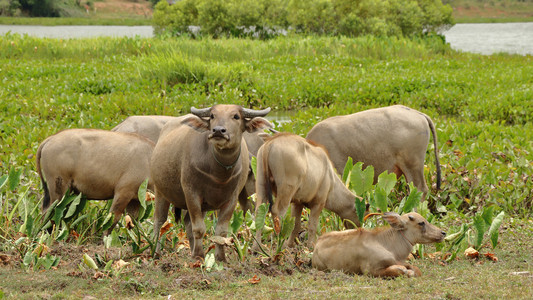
(154, 126)
(393, 139)
(207, 172)
(99, 164)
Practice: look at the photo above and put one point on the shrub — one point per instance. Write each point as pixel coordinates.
(329, 17)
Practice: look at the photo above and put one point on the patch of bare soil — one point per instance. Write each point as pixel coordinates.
(487, 11)
(132, 7)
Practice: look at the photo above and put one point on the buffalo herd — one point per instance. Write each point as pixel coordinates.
(201, 162)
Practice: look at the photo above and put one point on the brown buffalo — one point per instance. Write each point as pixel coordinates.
(99, 164)
(153, 126)
(379, 252)
(393, 139)
(207, 172)
(299, 172)
(147, 126)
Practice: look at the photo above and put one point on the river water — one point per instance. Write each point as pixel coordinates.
(486, 38)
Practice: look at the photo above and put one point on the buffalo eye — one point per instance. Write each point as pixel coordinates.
(236, 117)
(212, 116)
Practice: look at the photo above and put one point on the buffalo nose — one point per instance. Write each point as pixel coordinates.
(443, 233)
(219, 129)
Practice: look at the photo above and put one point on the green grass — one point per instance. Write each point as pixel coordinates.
(481, 106)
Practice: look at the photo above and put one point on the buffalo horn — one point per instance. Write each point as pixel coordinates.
(204, 112)
(250, 113)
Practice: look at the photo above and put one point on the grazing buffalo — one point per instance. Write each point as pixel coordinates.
(378, 252)
(393, 139)
(97, 163)
(299, 172)
(204, 166)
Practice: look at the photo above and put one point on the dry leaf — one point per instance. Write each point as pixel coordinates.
(150, 196)
(166, 227)
(4, 259)
(521, 273)
(119, 264)
(449, 143)
(98, 275)
(128, 222)
(491, 257)
(277, 225)
(222, 241)
(254, 280)
(195, 264)
(471, 253)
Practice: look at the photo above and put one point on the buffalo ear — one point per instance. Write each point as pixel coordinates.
(196, 123)
(394, 220)
(257, 124)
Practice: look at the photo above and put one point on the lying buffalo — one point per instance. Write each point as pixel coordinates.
(378, 252)
(99, 164)
(204, 166)
(393, 139)
(300, 173)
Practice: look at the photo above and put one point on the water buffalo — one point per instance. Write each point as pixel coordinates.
(100, 164)
(205, 173)
(393, 139)
(153, 126)
(299, 172)
(378, 252)
(147, 126)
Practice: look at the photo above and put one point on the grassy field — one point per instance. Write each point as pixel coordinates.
(481, 106)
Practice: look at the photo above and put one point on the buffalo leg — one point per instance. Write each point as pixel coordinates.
(120, 202)
(393, 271)
(197, 225)
(297, 215)
(160, 217)
(313, 222)
(224, 216)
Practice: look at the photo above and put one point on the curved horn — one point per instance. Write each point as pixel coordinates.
(204, 112)
(250, 113)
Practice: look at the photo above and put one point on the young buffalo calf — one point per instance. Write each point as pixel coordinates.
(380, 252)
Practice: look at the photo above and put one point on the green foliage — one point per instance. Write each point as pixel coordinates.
(330, 17)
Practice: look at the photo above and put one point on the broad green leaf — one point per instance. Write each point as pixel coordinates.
(141, 194)
(237, 220)
(108, 222)
(494, 229)
(386, 181)
(28, 258)
(456, 201)
(412, 200)
(347, 169)
(381, 199)
(287, 227)
(59, 211)
(253, 163)
(14, 178)
(87, 260)
(360, 208)
(361, 181)
(73, 207)
(488, 214)
(209, 261)
(260, 216)
(479, 224)
(3, 180)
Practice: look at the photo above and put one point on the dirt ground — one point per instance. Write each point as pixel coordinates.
(132, 7)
